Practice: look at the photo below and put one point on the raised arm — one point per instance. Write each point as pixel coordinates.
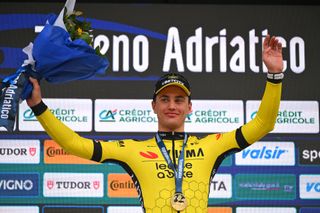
(63, 135)
(265, 119)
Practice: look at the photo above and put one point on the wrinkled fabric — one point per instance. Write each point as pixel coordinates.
(56, 59)
(59, 60)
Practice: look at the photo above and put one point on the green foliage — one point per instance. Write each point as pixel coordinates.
(79, 29)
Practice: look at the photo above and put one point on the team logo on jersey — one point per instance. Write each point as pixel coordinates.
(218, 136)
(149, 155)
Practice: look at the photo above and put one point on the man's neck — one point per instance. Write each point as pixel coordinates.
(166, 129)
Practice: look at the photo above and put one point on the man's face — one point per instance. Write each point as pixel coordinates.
(171, 106)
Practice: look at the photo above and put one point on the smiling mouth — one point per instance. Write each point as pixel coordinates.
(171, 114)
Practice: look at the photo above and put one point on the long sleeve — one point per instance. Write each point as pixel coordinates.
(266, 116)
(64, 136)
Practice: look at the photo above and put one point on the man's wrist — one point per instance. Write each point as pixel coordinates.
(275, 77)
(39, 108)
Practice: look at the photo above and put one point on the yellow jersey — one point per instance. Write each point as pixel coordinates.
(143, 160)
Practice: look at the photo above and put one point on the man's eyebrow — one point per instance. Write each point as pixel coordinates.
(175, 97)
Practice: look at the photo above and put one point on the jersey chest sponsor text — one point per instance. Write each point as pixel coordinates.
(190, 154)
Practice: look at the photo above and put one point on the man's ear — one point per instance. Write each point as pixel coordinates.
(190, 107)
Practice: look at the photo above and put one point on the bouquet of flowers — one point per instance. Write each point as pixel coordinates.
(62, 52)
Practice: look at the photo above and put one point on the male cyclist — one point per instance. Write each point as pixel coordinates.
(172, 171)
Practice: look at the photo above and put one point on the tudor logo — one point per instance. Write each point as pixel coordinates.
(73, 185)
(19, 151)
(96, 184)
(50, 184)
(149, 155)
(32, 151)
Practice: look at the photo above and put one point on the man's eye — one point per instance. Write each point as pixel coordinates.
(179, 100)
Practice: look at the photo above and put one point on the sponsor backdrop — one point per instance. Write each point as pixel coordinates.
(218, 48)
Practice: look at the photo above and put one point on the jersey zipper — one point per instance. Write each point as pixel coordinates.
(174, 155)
(173, 152)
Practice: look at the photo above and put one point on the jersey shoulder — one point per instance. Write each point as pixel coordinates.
(209, 137)
(129, 141)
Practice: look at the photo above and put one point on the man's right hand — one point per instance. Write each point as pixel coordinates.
(35, 98)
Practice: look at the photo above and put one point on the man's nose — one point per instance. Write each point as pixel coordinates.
(172, 104)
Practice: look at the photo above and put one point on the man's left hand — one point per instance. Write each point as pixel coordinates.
(272, 54)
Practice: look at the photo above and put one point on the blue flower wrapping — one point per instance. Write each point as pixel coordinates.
(57, 60)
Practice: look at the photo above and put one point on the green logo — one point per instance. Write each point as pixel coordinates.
(293, 117)
(265, 186)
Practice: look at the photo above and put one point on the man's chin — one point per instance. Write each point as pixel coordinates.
(172, 127)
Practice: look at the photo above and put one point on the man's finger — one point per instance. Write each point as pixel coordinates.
(271, 43)
(34, 82)
(280, 47)
(266, 42)
(275, 44)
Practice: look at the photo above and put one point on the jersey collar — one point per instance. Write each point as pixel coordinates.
(171, 135)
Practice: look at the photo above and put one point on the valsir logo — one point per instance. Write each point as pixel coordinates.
(267, 154)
